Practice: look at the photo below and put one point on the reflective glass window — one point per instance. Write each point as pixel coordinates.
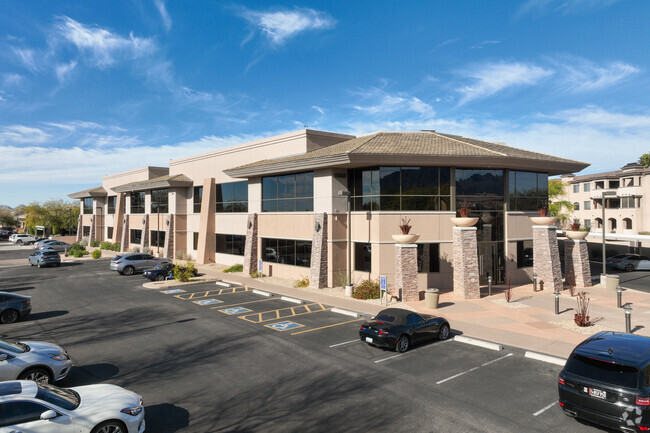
(362, 257)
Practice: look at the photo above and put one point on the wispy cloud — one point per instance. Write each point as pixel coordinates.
(491, 78)
(597, 117)
(442, 44)
(380, 102)
(63, 71)
(317, 108)
(27, 58)
(581, 75)
(483, 44)
(20, 134)
(166, 19)
(278, 27)
(540, 7)
(12, 80)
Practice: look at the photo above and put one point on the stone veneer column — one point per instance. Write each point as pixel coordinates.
(93, 229)
(466, 284)
(318, 268)
(144, 240)
(576, 263)
(546, 257)
(250, 248)
(124, 244)
(80, 228)
(169, 237)
(406, 271)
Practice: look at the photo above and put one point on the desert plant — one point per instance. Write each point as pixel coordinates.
(84, 242)
(302, 282)
(117, 246)
(76, 247)
(78, 253)
(94, 243)
(366, 289)
(575, 225)
(582, 317)
(340, 278)
(96, 254)
(464, 208)
(508, 291)
(146, 250)
(184, 273)
(105, 245)
(135, 249)
(180, 255)
(234, 268)
(257, 274)
(405, 227)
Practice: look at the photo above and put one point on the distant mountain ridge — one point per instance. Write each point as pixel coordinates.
(4, 206)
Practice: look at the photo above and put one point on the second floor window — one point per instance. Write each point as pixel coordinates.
(198, 197)
(88, 206)
(137, 202)
(576, 188)
(232, 197)
(288, 193)
(112, 200)
(159, 200)
(586, 187)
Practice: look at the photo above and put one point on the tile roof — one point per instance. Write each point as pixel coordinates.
(157, 182)
(87, 193)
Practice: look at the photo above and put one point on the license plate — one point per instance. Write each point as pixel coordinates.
(598, 393)
(368, 340)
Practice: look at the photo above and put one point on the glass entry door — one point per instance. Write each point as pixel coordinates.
(491, 262)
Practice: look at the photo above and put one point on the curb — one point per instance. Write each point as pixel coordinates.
(292, 300)
(545, 358)
(262, 293)
(159, 285)
(345, 312)
(479, 343)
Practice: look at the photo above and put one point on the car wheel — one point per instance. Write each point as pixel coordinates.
(110, 427)
(402, 344)
(128, 270)
(19, 241)
(160, 277)
(444, 333)
(39, 375)
(629, 267)
(9, 316)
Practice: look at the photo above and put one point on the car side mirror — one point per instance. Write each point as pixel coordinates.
(49, 414)
(4, 357)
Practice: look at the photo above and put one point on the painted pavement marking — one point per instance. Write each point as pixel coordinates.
(539, 412)
(283, 326)
(235, 310)
(472, 369)
(213, 292)
(283, 313)
(172, 291)
(325, 327)
(208, 301)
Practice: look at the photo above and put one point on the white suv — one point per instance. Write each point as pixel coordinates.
(20, 238)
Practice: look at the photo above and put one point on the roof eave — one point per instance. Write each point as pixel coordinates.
(279, 167)
(153, 185)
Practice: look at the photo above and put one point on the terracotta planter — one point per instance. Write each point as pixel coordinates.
(543, 221)
(405, 239)
(575, 234)
(464, 222)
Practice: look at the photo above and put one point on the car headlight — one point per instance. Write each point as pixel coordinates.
(133, 410)
(60, 357)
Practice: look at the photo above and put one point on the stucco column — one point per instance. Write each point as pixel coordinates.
(169, 237)
(93, 229)
(124, 244)
(250, 248)
(207, 242)
(144, 239)
(318, 268)
(546, 257)
(406, 271)
(576, 263)
(80, 228)
(466, 272)
(118, 218)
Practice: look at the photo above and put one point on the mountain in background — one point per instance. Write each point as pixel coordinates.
(4, 206)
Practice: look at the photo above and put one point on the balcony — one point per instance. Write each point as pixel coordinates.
(598, 193)
(630, 191)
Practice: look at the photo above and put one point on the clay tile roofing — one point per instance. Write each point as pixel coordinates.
(170, 181)
(383, 148)
(87, 193)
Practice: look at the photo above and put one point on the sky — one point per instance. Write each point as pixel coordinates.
(90, 88)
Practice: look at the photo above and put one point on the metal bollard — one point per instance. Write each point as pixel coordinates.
(534, 281)
(628, 317)
(619, 296)
(489, 285)
(557, 301)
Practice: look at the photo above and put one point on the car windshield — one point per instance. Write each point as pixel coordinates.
(62, 397)
(603, 371)
(13, 347)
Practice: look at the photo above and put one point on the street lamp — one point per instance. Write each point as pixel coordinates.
(603, 225)
(345, 193)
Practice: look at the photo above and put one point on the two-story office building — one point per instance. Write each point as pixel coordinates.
(292, 201)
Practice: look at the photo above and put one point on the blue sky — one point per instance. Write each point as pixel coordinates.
(92, 88)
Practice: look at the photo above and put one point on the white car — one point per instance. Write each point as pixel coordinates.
(33, 360)
(39, 408)
(21, 238)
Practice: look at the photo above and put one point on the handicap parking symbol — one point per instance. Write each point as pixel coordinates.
(173, 291)
(235, 310)
(208, 301)
(283, 326)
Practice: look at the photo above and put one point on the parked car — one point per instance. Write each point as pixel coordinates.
(606, 380)
(36, 407)
(59, 246)
(633, 262)
(42, 241)
(398, 329)
(4, 234)
(163, 271)
(21, 238)
(14, 307)
(42, 258)
(128, 264)
(612, 262)
(33, 360)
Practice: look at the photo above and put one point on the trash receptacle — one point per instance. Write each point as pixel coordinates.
(612, 281)
(431, 298)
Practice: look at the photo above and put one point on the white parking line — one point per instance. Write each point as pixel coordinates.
(413, 350)
(347, 342)
(390, 357)
(545, 409)
(472, 369)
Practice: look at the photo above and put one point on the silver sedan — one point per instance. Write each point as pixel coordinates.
(633, 262)
(33, 360)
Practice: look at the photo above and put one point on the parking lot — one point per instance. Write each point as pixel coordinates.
(223, 357)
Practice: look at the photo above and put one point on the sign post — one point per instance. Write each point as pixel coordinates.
(383, 289)
(259, 266)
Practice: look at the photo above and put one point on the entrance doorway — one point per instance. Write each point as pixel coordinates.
(491, 261)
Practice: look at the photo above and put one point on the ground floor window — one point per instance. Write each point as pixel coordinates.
(157, 238)
(231, 244)
(287, 251)
(136, 236)
(196, 240)
(110, 232)
(588, 224)
(428, 258)
(362, 257)
(86, 231)
(524, 254)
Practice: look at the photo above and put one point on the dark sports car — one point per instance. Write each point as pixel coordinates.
(164, 271)
(398, 329)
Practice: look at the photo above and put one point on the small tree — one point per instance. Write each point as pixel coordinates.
(644, 160)
(557, 201)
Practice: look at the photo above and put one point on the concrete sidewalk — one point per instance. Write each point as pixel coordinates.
(528, 321)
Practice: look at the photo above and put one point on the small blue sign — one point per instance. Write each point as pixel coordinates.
(235, 310)
(283, 326)
(173, 291)
(208, 301)
(382, 282)
(259, 265)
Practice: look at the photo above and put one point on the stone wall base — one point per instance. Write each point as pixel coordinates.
(406, 271)
(466, 272)
(546, 257)
(576, 263)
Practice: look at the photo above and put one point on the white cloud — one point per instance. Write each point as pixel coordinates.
(102, 47)
(76, 125)
(443, 43)
(539, 7)
(381, 102)
(281, 26)
(27, 58)
(483, 44)
(491, 78)
(64, 70)
(20, 134)
(12, 80)
(581, 75)
(167, 21)
(599, 118)
(317, 108)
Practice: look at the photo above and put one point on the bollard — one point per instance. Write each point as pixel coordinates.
(619, 296)
(628, 317)
(534, 281)
(557, 302)
(489, 285)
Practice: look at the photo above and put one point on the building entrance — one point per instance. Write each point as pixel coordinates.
(491, 261)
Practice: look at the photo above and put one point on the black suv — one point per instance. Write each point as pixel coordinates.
(606, 380)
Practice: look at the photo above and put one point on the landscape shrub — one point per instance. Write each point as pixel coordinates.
(117, 246)
(146, 250)
(97, 254)
(256, 274)
(94, 243)
(84, 242)
(135, 249)
(184, 273)
(302, 282)
(234, 268)
(366, 289)
(105, 245)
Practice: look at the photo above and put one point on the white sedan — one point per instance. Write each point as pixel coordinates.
(32, 407)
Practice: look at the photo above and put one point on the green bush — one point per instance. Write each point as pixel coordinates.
(117, 247)
(256, 274)
(78, 253)
(94, 243)
(184, 273)
(97, 254)
(106, 245)
(302, 282)
(234, 268)
(76, 247)
(366, 289)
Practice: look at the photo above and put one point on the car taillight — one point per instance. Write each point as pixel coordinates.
(362, 327)
(560, 380)
(561, 404)
(643, 401)
(382, 332)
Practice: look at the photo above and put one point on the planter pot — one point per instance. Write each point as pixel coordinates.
(431, 298)
(406, 239)
(575, 234)
(464, 222)
(487, 218)
(543, 221)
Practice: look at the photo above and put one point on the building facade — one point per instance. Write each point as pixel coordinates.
(292, 201)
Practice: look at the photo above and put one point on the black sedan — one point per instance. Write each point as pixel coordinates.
(164, 271)
(14, 307)
(397, 329)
